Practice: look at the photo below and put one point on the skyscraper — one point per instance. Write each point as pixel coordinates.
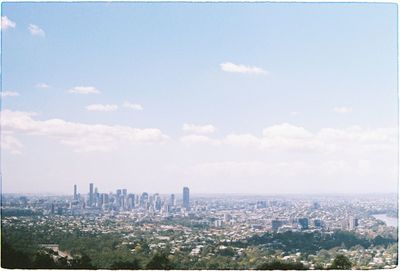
(75, 192)
(91, 195)
(144, 199)
(303, 223)
(186, 202)
(172, 200)
(353, 223)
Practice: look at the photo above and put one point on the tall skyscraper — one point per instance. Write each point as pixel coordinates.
(91, 194)
(186, 202)
(303, 223)
(75, 192)
(172, 200)
(353, 223)
(144, 199)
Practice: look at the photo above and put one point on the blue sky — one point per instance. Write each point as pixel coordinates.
(323, 66)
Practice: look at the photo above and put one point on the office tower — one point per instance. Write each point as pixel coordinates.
(124, 192)
(317, 223)
(130, 201)
(144, 199)
(91, 195)
(96, 197)
(105, 198)
(75, 192)
(186, 202)
(157, 202)
(119, 192)
(52, 208)
(172, 200)
(276, 224)
(303, 222)
(353, 223)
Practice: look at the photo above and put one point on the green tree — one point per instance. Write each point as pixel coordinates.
(84, 262)
(43, 260)
(278, 265)
(11, 258)
(159, 261)
(126, 265)
(341, 262)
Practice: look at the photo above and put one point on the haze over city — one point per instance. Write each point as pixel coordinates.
(220, 97)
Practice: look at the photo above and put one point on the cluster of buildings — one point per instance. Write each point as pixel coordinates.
(121, 200)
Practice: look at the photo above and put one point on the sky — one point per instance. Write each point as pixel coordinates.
(258, 98)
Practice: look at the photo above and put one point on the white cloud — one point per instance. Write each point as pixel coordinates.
(245, 169)
(199, 129)
(286, 130)
(242, 140)
(5, 94)
(237, 68)
(6, 23)
(342, 110)
(195, 139)
(83, 90)
(102, 107)
(10, 143)
(132, 106)
(42, 85)
(288, 137)
(80, 136)
(298, 169)
(36, 30)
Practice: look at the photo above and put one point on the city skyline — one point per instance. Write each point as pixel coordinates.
(260, 98)
(122, 200)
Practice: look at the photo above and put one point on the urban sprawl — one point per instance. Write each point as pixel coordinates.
(201, 231)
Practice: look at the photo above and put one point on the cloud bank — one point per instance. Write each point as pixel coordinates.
(81, 137)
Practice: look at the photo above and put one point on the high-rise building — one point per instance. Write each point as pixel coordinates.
(353, 223)
(276, 224)
(186, 201)
(144, 199)
(131, 201)
(172, 200)
(318, 223)
(157, 202)
(75, 192)
(303, 223)
(91, 194)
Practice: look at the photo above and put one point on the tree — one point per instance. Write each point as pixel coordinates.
(84, 262)
(11, 258)
(159, 261)
(43, 261)
(126, 265)
(341, 262)
(278, 265)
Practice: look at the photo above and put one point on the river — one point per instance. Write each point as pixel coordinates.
(390, 221)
